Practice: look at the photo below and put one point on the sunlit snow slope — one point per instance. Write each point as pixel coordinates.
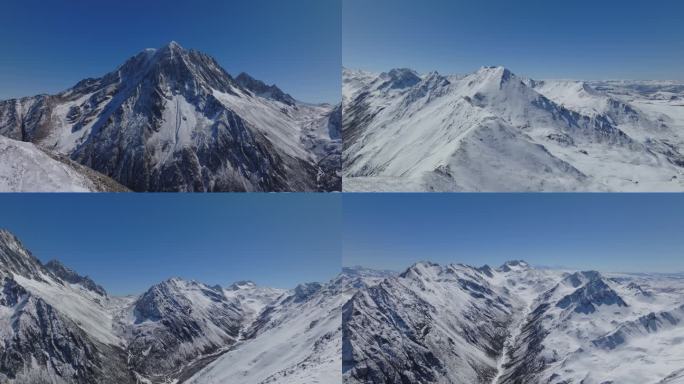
(515, 324)
(59, 327)
(494, 131)
(27, 168)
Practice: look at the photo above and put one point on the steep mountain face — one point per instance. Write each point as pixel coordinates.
(176, 321)
(494, 131)
(171, 119)
(51, 330)
(59, 327)
(25, 167)
(513, 324)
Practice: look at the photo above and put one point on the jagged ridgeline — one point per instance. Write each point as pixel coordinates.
(57, 326)
(172, 119)
(493, 130)
(513, 324)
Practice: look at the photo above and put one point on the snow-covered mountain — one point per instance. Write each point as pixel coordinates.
(59, 327)
(297, 339)
(515, 324)
(494, 131)
(25, 167)
(172, 119)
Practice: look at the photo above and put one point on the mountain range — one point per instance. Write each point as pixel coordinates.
(493, 130)
(171, 119)
(57, 326)
(515, 324)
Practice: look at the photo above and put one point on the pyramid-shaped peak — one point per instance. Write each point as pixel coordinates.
(578, 278)
(173, 45)
(499, 73)
(399, 78)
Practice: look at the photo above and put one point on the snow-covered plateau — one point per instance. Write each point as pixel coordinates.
(492, 130)
(171, 119)
(515, 324)
(59, 327)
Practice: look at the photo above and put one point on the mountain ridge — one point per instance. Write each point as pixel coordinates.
(492, 130)
(513, 324)
(60, 327)
(172, 119)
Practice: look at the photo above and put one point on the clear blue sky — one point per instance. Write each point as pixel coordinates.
(581, 39)
(48, 46)
(127, 242)
(608, 232)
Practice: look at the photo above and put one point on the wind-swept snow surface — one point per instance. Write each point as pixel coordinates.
(515, 324)
(27, 168)
(172, 119)
(494, 131)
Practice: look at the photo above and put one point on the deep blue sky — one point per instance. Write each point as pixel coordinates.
(48, 46)
(582, 39)
(127, 242)
(609, 232)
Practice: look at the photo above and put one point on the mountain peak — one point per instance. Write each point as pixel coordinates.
(173, 45)
(71, 276)
(578, 278)
(498, 75)
(15, 258)
(512, 265)
(242, 284)
(303, 291)
(399, 78)
(595, 292)
(262, 89)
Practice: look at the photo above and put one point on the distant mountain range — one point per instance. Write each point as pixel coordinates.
(492, 130)
(429, 324)
(172, 119)
(514, 324)
(59, 327)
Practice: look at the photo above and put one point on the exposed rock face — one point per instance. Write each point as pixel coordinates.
(176, 321)
(172, 119)
(57, 326)
(72, 277)
(261, 89)
(512, 325)
(36, 333)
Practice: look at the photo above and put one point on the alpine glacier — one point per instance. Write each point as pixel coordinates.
(515, 324)
(492, 130)
(59, 327)
(172, 119)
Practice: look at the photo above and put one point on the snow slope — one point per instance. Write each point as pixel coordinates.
(27, 168)
(58, 326)
(296, 339)
(514, 324)
(494, 131)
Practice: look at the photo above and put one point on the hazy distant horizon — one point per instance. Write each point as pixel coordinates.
(610, 232)
(475, 69)
(585, 40)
